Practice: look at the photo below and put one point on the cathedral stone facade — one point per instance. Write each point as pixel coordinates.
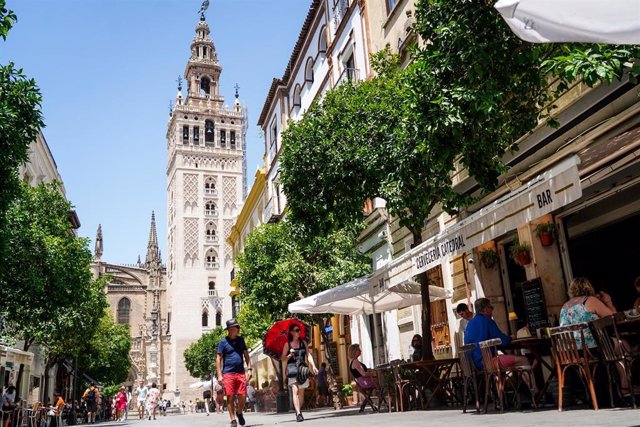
(205, 180)
(137, 296)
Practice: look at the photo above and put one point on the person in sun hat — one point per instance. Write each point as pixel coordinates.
(231, 371)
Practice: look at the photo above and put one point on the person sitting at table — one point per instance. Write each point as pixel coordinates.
(416, 347)
(584, 306)
(363, 377)
(481, 328)
(58, 407)
(465, 314)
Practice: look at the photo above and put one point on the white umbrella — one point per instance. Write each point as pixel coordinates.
(355, 297)
(199, 384)
(586, 21)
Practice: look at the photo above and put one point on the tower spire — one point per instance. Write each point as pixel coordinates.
(153, 253)
(98, 248)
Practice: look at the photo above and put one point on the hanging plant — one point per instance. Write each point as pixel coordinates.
(521, 254)
(489, 258)
(545, 231)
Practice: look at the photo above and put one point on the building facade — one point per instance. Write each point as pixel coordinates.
(205, 185)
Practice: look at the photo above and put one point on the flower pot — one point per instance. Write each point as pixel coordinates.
(349, 400)
(523, 258)
(546, 238)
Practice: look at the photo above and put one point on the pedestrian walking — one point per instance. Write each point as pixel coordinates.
(121, 403)
(91, 396)
(126, 410)
(295, 354)
(206, 395)
(231, 372)
(323, 387)
(141, 397)
(219, 394)
(153, 397)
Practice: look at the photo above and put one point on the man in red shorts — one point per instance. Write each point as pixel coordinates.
(230, 367)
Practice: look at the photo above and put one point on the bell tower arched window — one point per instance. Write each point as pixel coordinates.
(210, 186)
(209, 133)
(210, 209)
(218, 318)
(211, 258)
(205, 319)
(205, 86)
(124, 310)
(210, 232)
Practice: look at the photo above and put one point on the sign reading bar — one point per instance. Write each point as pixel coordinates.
(534, 305)
(544, 194)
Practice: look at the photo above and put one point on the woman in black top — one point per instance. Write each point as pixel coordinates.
(296, 352)
(363, 377)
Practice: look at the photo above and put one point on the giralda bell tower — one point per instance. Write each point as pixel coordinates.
(205, 177)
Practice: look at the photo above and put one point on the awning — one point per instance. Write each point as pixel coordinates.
(359, 297)
(586, 21)
(12, 357)
(544, 194)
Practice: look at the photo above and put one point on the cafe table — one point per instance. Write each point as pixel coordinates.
(438, 373)
(538, 348)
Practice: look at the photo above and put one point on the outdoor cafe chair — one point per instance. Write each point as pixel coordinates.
(469, 374)
(566, 355)
(613, 354)
(405, 388)
(494, 372)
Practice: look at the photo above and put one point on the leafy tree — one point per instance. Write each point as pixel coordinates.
(48, 293)
(200, 357)
(20, 118)
(106, 355)
(471, 91)
(280, 265)
(254, 323)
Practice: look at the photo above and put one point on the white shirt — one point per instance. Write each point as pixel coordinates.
(141, 393)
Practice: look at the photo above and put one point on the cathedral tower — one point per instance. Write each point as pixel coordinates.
(205, 142)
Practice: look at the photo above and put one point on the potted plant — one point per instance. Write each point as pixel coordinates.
(545, 231)
(347, 391)
(489, 258)
(520, 252)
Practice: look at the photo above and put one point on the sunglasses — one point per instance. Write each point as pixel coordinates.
(295, 330)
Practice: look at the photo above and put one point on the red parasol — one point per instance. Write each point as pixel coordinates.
(278, 335)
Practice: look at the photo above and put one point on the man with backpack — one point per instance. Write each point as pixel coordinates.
(90, 397)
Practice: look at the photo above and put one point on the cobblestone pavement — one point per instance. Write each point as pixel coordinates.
(450, 418)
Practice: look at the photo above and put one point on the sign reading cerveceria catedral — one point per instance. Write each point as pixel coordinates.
(547, 192)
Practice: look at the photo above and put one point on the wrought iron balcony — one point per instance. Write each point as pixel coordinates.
(349, 74)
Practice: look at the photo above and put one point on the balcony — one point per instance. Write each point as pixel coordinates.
(349, 74)
(270, 213)
(212, 265)
(211, 213)
(213, 293)
(212, 192)
(339, 11)
(211, 238)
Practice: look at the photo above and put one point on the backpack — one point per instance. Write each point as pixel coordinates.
(91, 395)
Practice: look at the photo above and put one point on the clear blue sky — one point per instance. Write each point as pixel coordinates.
(107, 70)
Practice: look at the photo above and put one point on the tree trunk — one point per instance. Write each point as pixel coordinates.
(45, 388)
(423, 279)
(27, 344)
(331, 378)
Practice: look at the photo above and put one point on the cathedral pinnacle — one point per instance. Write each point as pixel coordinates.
(98, 247)
(153, 253)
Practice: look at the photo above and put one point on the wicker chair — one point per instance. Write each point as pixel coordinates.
(613, 354)
(495, 372)
(469, 374)
(566, 355)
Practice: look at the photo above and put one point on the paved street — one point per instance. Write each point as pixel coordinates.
(449, 418)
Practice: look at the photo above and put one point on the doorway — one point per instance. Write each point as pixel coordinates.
(513, 277)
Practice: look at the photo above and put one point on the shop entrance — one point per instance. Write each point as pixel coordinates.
(513, 276)
(609, 255)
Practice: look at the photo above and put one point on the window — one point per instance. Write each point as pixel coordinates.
(210, 209)
(273, 147)
(297, 100)
(232, 139)
(205, 86)
(223, 138)
(218, 318)
(390, 5)
(209, 134)
(322, 40)
(308, 71)
(350, 67)
(212, 285)
(211, 233)
(210, 186)
(205, 319)
(185, 135)
(211, 259)
(124, 310)
(196, 135)
(235, 306)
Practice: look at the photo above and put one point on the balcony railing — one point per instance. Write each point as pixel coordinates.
(213, 293)
(349, 74)
(213, 265)
(212, 238)
(210, 192)
(211, 212)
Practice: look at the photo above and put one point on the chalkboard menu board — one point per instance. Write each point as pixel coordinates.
(333, 357)
(534, 304)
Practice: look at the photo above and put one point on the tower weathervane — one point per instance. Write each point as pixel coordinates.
(179, 80)
(237, 88)
(203, 9)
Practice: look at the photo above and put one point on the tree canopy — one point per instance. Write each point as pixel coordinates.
(200, 357)
(281, 264)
